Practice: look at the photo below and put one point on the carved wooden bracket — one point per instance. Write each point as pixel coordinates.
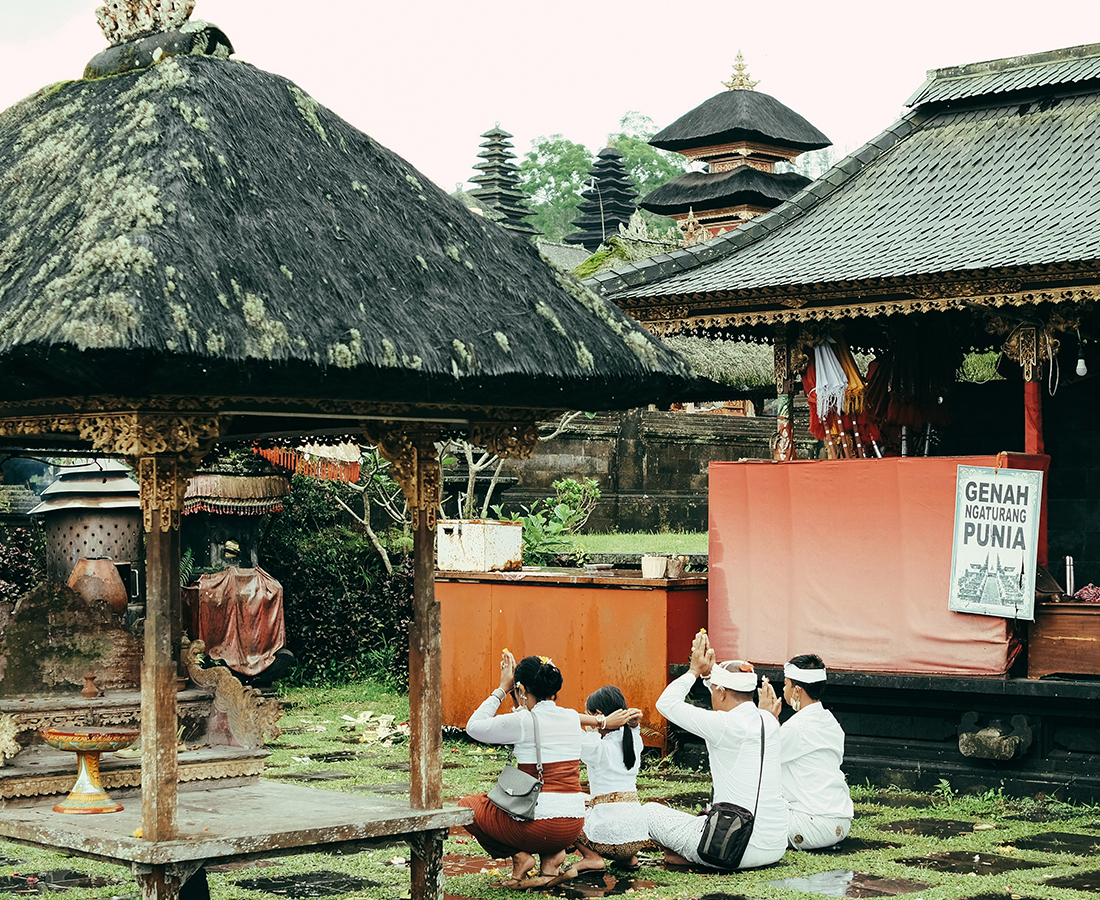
(414, 462)
(782, 360)
(511, 441)
(163, 484)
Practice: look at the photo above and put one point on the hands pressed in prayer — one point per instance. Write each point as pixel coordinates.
(507, 671)
(767, 699)
(702, 656)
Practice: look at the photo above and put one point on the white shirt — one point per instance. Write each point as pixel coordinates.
(733, 741)
(812, 751)
(607, 773)
(560, 735)
(613, 823)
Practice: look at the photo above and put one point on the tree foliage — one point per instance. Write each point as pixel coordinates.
(554, 172)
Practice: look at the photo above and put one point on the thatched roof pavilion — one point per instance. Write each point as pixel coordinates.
(192, 249)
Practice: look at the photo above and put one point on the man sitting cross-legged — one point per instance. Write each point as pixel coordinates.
(731, 729)
(819, 805)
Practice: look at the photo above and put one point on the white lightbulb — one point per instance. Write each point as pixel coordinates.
(1082, 369)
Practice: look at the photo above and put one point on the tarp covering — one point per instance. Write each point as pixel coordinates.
(849, 559)
(238, 614)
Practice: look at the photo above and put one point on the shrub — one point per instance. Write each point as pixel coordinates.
(22, 554)
(345, 618)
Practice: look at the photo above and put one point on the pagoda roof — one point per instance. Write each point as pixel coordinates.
(716, 190)
(151, 246)
(972, 201)
(739, 115)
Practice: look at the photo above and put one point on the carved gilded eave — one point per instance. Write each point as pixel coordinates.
(699, 313)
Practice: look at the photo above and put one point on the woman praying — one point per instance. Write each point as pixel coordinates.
(559, 812)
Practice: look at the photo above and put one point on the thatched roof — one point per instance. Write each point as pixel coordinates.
(733, 116)
(716, 190)
(202, 227)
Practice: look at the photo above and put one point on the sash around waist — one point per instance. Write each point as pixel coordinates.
(557, 777)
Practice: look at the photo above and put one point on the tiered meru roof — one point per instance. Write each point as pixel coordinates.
(608, 202)
(499, 180)
(993, 173)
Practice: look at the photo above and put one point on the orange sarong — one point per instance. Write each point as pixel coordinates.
(502, 836)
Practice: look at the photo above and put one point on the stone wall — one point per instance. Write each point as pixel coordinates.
(651, 466)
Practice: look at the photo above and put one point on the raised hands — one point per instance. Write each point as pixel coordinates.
(507, 671)
(622, 717)
(702, 655)
(767, 699)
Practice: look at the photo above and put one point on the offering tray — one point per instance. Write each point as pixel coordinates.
(87, 795)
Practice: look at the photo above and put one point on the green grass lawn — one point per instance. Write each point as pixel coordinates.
(674, 543)
(314, 725)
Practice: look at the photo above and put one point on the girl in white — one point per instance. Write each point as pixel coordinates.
(819, 805)
(614, 824)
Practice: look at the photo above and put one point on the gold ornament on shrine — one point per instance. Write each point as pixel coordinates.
(740, 80)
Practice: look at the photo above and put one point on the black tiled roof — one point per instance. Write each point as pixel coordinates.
(1071, 65)
(983, 185)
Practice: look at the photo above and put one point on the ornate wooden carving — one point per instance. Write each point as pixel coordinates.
(163, 486)
(251, 716)
(414, 461)
(873, 302)
(512, 441)
(9, 731)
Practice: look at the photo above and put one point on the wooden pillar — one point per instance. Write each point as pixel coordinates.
(1033, 393)
(414, 463)
(425, 676)
(784, 387)
(161, 501)
(426, 857)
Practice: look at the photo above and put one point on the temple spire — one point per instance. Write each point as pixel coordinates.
(740, 80)
(124, 20)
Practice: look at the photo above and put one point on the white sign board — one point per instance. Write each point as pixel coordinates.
(996, 542)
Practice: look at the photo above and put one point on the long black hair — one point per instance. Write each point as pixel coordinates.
(543, 679)
(607, 700)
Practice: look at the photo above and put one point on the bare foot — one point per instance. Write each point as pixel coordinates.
(522, 863)
(551, 864)
(674, 859)
(590, 860)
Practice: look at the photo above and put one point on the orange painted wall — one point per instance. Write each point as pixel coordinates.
(597, 634)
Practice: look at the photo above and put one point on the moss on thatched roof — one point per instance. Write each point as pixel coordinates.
(733, 116)
(204, 227)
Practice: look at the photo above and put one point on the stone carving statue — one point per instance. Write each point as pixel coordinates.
(125, 20)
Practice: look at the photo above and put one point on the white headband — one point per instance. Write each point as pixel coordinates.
(737, 680)
(803, 676)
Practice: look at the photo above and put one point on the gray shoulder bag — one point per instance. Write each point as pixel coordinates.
(516, 792)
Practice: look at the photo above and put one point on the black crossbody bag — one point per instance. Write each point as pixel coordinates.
(728, 827)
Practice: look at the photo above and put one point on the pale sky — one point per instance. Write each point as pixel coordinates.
(427, 77)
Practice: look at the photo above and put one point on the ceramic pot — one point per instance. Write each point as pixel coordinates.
(98, 579)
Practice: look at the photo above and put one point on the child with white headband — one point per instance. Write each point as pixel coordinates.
(819, 805)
